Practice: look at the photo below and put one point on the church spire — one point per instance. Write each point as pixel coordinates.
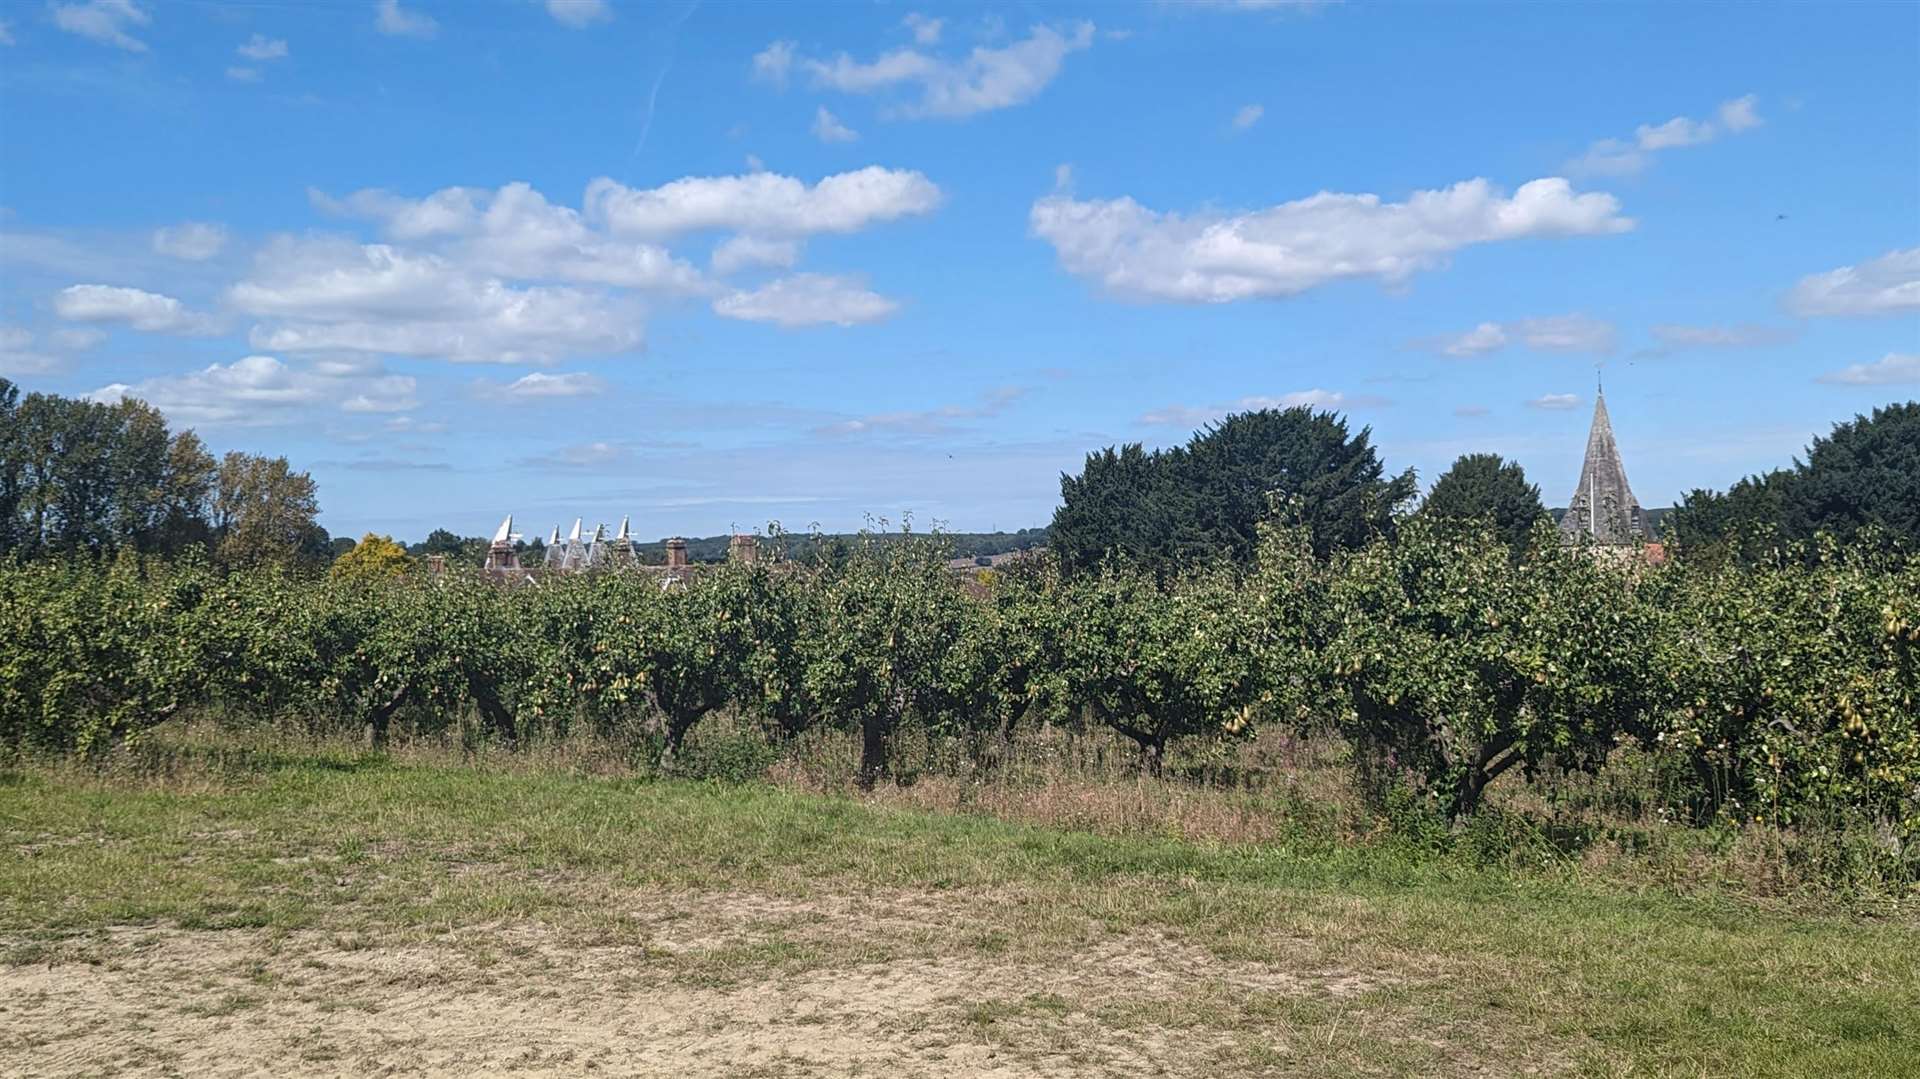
(1603, 509)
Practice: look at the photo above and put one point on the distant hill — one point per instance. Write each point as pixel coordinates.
(799, 545)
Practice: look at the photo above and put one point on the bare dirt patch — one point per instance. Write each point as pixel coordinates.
(726, 984)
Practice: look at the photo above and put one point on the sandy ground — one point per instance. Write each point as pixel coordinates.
(718, 992)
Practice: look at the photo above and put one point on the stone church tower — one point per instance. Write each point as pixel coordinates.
(1603, 510)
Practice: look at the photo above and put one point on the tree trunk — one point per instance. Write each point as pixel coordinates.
(381, 715)
(1485, 769)
(499, 719)
(873, 749)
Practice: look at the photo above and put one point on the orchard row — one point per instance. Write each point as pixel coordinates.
(1784, 686)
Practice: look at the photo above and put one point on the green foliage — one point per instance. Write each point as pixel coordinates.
(1481, 487)
(1777, 689)
(1447, 660)
(1860, 484)
(374, 558)
(1207, 499)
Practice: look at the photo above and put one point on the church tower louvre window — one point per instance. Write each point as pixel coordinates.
(1603, 510)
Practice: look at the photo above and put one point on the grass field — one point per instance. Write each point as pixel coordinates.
(325, 912)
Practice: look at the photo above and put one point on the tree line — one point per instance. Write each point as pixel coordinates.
(1205, 500)
(96, 478)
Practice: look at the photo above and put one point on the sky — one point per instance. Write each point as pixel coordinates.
(716, 265)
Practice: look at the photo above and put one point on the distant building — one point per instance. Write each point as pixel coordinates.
(1603, 510)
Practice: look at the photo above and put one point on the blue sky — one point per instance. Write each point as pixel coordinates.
(716, 264)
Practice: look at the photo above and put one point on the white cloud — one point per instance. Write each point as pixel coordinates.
(1893, 369)
(774, 63)
(6, 32)
(150, 312)
(1197, 415)
(1621, 157)
(742, 252)
(195, 241)
(1565, 333)
(261, 390)
(1738, 115)
(1886, 285)
(762, 203)
(926, 31)
(1722, 336)
(579, 14)
(828, 128)
(588, 455)
(1248, 116)
(262, 48)
(1676, 132)
(1263, 5)
(339, 296)
(1287, 249)
(77, 340)
(244, 74)
(390, 18)
(932, 421)
(983, 80)
(807, 300)
(1482, 339)
(1468, 411)
(1555, 402)
(105, 21)
(19, 357)
(540, 386)
(515, 232)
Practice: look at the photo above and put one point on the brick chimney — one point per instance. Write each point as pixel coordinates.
(744, 549)
(676, 553)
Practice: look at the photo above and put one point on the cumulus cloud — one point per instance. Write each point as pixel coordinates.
(1886, 285)
(743, 252)
(1618, 157)
(540, 386)
(762, 203)
(1555, 402)
(579, 14)
(260, 390)
(195, 241)
(337, 296)
(1283, 250)
(260, 48)
(828, 128)
(392, 19)
(983, 80)
(244, 74)
(515, 232)
(149, 312)
(1248, 116)
(1747, 336)
(807, 300)
(1893, 369)
(108, 22)
(1198, 415)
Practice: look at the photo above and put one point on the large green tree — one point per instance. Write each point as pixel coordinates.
(1482, 487)
(1207, 499)
(1864, 477)
(263, 513)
